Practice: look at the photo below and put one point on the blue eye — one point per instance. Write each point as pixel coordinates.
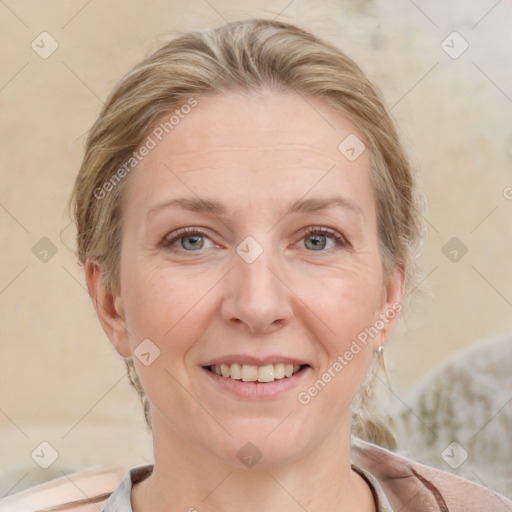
(193, 239)
(318, 236)
(194, 242)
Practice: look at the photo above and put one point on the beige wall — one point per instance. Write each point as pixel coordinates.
(61, 381)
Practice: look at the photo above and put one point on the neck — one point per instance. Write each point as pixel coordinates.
(192, 479)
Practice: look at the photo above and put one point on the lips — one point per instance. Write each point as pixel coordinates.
(260, 378)
(255, 373)
(255, 368)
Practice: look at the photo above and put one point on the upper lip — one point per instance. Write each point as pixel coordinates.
(254, 360)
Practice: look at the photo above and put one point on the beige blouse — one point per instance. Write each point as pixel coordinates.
(120, 499)
(397, 483)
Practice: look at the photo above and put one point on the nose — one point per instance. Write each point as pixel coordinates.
(256, 296)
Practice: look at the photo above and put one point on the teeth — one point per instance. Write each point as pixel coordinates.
(279, 371)
(236, 371)
(253, 373)
(249, 373)
(266, 373)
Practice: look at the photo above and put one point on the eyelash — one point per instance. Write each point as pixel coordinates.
(341, 241)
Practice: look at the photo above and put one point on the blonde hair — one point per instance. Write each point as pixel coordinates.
(248, 55)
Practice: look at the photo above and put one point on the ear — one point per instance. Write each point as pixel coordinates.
(390, 305)
(109, 308)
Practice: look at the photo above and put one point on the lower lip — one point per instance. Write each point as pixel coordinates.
(257, 390)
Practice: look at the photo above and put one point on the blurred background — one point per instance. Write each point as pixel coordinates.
(446, 71)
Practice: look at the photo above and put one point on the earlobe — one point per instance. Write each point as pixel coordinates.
(109, 308)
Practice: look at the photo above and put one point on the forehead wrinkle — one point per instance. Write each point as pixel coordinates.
(213, 207)
(252, 148)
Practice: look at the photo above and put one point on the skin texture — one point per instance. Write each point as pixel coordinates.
(255, 153)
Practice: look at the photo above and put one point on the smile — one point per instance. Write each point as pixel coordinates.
(254, 373)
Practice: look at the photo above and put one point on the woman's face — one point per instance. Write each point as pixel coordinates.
(279, 266)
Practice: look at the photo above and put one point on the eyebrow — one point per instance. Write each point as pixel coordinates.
(196, 204)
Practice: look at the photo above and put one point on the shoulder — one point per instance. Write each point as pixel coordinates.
(411, 486)
(83, 491)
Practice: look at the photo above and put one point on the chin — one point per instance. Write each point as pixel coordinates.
(254, 444)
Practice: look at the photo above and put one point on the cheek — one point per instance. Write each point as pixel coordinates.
(168, 308)
(154, 301)
(346, 301)
(347, 309)
(347, 351)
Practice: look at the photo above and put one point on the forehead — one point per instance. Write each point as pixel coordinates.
(252, 144)
(260, 121)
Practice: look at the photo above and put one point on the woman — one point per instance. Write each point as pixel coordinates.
(248, 220)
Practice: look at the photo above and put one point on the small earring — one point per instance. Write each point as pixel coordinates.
(380, 350)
